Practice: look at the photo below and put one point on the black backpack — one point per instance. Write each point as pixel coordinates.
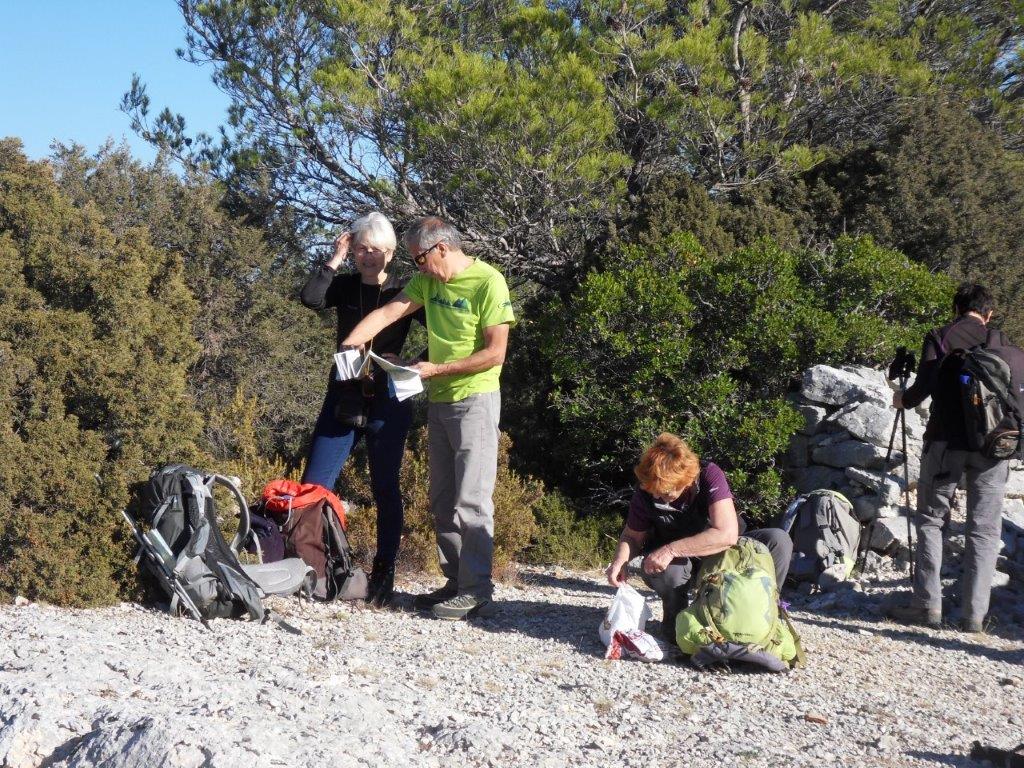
(978, 382)
(186, 551)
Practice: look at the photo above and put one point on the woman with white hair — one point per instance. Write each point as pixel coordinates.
(364, 408)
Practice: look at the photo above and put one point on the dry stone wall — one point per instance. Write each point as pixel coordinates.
(848, 423)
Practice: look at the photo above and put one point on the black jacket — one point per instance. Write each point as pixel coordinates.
(353, 301)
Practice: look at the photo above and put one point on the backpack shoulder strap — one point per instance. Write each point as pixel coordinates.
(801, 658)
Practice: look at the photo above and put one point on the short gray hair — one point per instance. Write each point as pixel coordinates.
(374, 230)
(429, 231)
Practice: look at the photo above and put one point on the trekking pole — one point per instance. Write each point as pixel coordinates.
(902, 415)
(163, 571)
(900, 368)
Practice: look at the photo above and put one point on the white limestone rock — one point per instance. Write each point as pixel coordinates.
(888, 534)
(836, 386)
(813, 416)
(888, 487)
(868, 421)
(851, 453)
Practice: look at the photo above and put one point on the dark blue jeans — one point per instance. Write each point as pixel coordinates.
(386, 427)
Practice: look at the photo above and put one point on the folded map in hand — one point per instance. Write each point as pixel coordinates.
(403, 382)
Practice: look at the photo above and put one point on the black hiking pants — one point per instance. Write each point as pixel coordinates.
(672, 584)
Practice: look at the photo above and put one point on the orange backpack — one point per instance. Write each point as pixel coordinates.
(312, 521)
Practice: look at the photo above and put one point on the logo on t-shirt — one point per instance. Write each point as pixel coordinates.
(460, 304)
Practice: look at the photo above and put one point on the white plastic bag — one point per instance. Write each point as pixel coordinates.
(623, 627)
(638, 645)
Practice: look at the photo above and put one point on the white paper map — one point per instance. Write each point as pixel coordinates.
(403, 382)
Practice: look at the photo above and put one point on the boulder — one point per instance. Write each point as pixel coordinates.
(869, 507)
(836, 386)
(889, 512)
(888, 487)
(875, 377)
(813, 417)
(812, 478)
(850, 453)
(868, 421)
(915, 427)
(829, 438)
(865, 508)
(888, 534)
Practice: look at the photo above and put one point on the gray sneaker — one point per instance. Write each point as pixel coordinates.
(430, 599)
(915, 614)
(463, 606)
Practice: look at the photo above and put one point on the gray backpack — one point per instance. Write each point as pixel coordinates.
(825, 534)
(179, 536)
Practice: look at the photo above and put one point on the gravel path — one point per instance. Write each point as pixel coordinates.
(127, 686)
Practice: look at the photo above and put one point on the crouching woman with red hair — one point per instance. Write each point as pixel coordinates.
(681, 511)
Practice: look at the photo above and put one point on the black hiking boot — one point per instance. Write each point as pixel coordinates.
(381, 587)
(671, 606)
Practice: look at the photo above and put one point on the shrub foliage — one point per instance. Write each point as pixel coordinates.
(516, 500)
(95, 343)
(707, 347)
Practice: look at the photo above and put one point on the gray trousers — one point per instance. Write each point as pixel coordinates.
(941, 470)
(463, 455)
(672, 584)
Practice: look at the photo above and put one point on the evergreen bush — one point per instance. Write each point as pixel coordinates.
(95, 342)
(516, 499)
(671, 339)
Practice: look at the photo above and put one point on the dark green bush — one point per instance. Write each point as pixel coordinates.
(567, 539)
(707, 348)
(94, 346)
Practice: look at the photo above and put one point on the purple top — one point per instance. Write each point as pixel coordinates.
(689, 513)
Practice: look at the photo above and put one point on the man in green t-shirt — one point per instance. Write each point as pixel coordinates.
(468, 319)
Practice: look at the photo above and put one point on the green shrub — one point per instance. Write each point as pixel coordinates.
(94, 346)
(672, 340)
(515, 501)
(566, 539)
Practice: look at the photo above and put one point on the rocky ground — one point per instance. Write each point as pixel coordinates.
(128, 686)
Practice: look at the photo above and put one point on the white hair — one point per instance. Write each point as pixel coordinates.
(432, 230)
(374, 230)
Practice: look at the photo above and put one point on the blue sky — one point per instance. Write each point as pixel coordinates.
(65, 64)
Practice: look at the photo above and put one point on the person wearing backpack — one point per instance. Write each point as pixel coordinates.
(950, 451)
(681, 511)
(363, 408)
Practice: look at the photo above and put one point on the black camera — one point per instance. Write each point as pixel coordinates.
(902, 365)
(353, 401)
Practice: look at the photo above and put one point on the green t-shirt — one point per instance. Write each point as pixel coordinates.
(457, 313)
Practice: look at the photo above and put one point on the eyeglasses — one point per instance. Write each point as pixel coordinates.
(419, 260)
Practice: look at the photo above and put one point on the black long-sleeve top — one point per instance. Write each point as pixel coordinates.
(353, 300)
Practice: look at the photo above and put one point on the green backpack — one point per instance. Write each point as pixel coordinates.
(736, 615)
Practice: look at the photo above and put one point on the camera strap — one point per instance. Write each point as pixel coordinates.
(362, 315)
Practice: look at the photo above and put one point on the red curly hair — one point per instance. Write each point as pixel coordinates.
(667, 465)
